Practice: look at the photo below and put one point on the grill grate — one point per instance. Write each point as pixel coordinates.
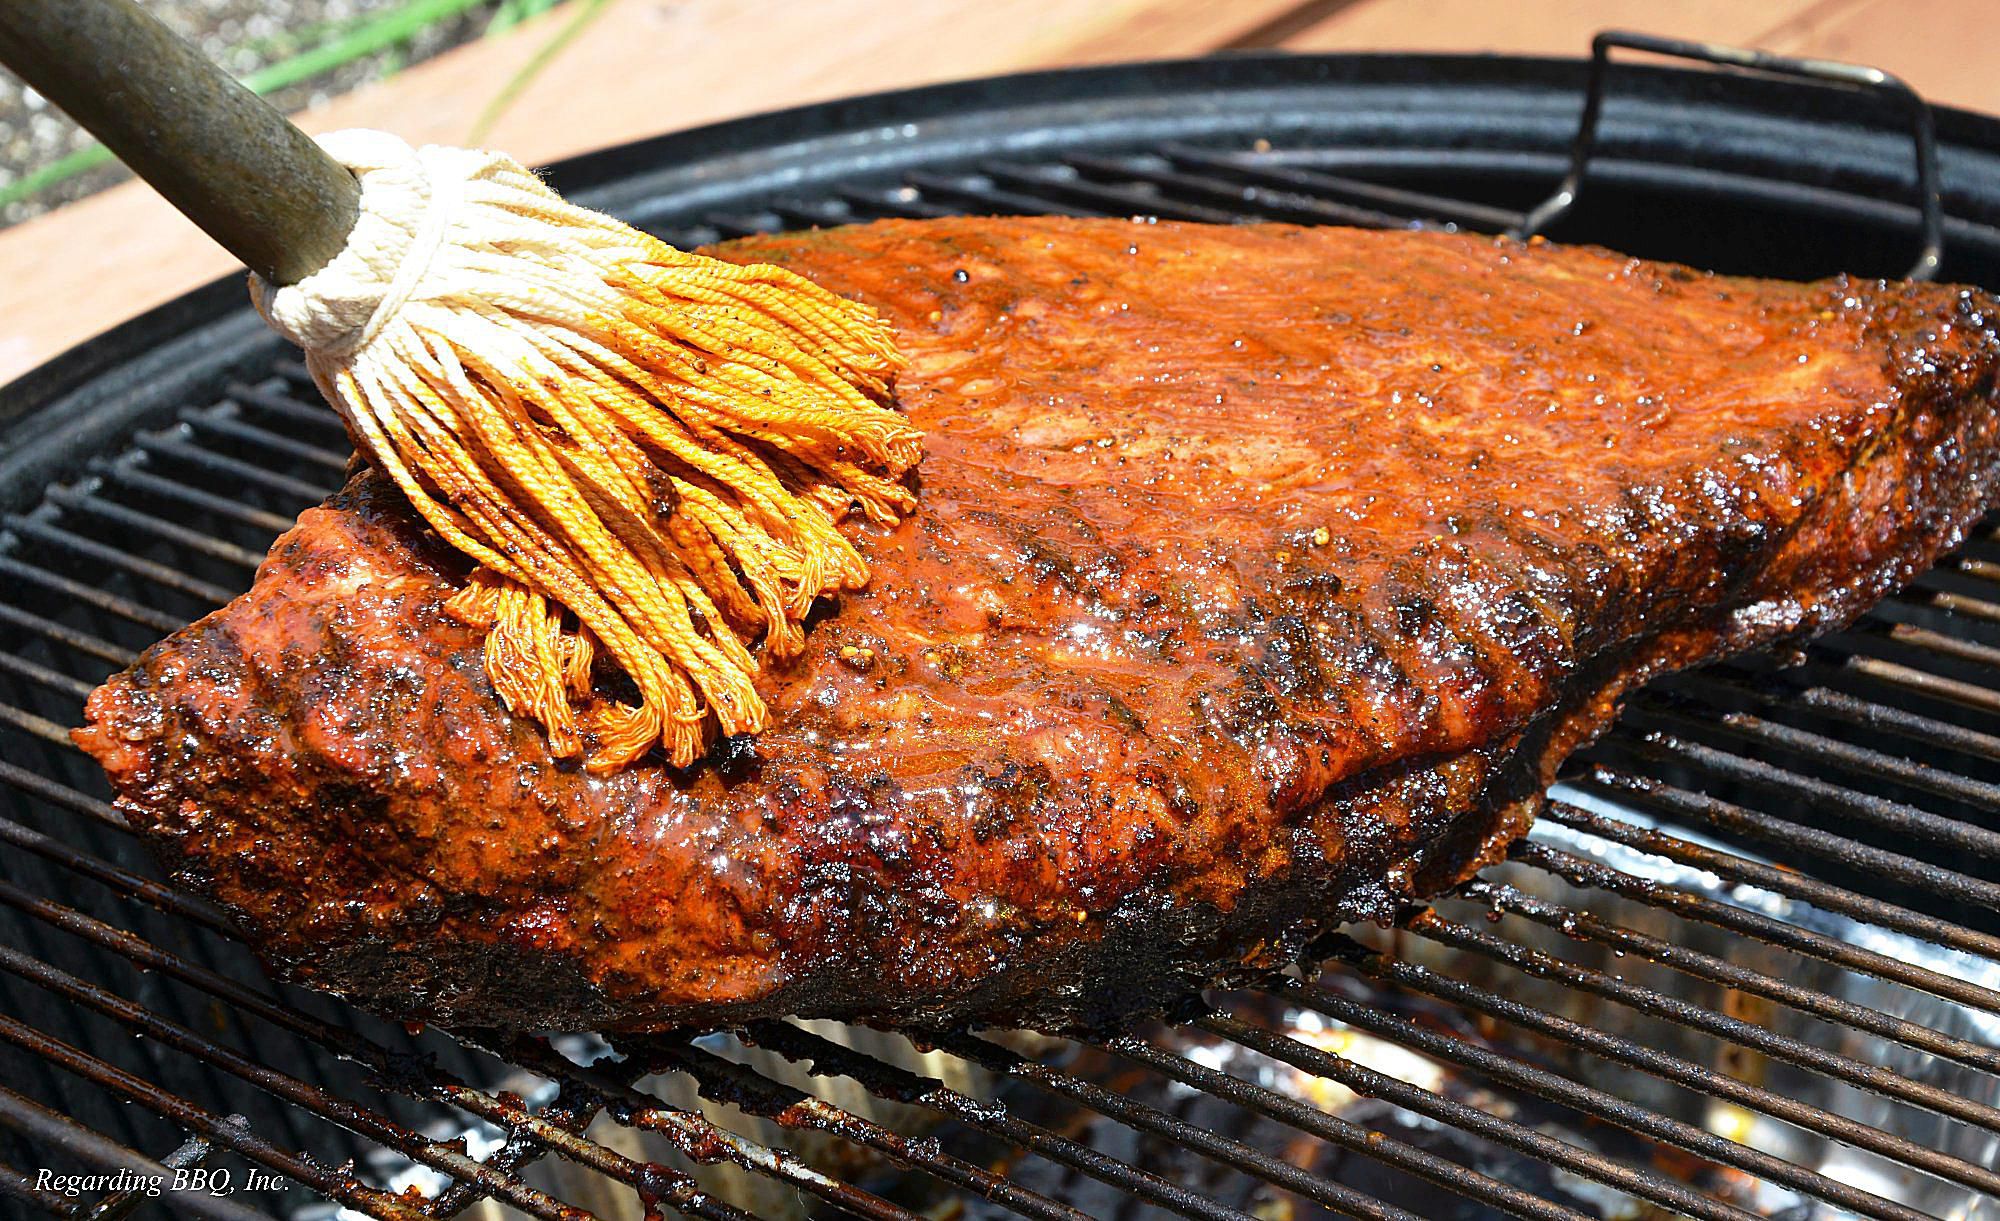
(1641, 1010)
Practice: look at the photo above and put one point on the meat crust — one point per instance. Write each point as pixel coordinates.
(1262, 579)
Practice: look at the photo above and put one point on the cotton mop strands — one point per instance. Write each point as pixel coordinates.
(644, 451)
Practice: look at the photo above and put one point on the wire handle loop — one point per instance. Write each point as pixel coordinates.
(1826, 71)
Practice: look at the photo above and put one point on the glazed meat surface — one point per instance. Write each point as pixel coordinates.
(1262, 578)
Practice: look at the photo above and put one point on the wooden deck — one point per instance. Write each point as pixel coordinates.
(641, 67)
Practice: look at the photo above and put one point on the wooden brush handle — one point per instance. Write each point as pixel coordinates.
(218, 152)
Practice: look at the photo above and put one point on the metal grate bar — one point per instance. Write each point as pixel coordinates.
(1591, 1101)
(129, 474)
(179, 904)
(649, 1179)
(1931, 641)
(813, 214)
(1272, 205)
(230, 1133)
(55, 793)
(15, 1185)
(1922, 682)
(216, 421)
(1735, 1030)
(697, 1133)
(1705, 810)
(654, 1183)
(730, 225)
(988, 198)
(34, 725)
(1862, 807)
(30, 1118)
(828, 1058)
(446, 1158)
(159, 574)
(90, 595)
(36, 939)
(696, 1137)
(724, 1081)
(42, 676)
(1583, 926)
(1111, 200)
(306, 413)
(1270, 1168)
(1418, 1101)
(67, 637)
(701, 1140)
(1398, 204)
(903, 201)
(1859, 761)
(165, 445)
(180, 536)
(1290, 1111)
(125, 883)
(1923, 593)
(1579, 872)
(571, 1109)
(118, 1204)
(1866, 714)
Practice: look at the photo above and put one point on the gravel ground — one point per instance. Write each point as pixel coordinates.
(243, 36)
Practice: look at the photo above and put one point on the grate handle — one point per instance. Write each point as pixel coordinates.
(1923, 130)
(224, 156)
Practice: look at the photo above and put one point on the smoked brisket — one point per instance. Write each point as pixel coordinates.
(1262, 579)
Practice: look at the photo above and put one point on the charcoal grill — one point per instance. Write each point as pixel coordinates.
(1748, 964)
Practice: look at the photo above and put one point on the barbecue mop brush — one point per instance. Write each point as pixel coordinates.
(643, 452)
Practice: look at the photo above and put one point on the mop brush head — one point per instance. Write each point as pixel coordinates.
(645, 452)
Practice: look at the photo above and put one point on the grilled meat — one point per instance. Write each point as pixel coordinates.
(1262, 579)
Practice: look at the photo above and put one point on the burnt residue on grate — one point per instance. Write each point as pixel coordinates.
(1747, 965)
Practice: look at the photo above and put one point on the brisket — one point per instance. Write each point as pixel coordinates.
(1262, 579)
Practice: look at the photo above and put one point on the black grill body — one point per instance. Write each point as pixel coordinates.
(1747, 965)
